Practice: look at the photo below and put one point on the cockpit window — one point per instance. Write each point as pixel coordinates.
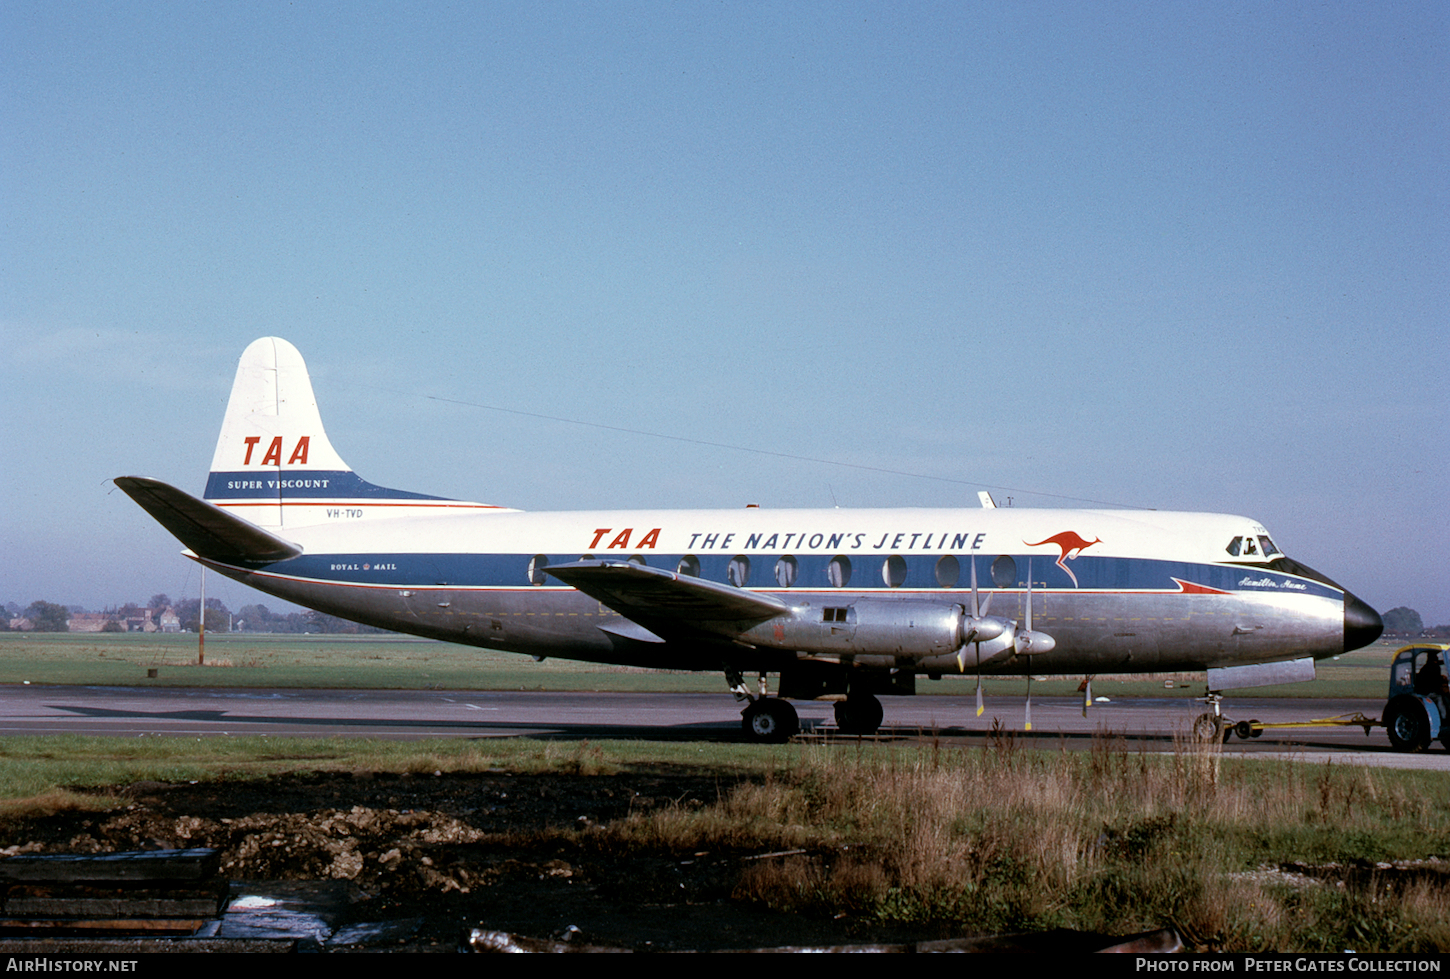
(1261, 547)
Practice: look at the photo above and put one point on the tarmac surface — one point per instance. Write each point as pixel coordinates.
(1058, 722)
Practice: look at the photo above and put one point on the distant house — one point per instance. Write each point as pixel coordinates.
(168, 620)
(141, 620)
(88, 621)
(21, 624)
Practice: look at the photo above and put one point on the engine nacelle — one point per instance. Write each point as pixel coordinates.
(903, 628)
(867, 627)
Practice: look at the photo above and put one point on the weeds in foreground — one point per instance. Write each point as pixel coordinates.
(1005, 839)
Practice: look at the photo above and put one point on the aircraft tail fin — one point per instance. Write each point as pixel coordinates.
(274, 465)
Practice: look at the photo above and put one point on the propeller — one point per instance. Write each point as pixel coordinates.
(1087, 697)
(979, 628)
(1002, 636)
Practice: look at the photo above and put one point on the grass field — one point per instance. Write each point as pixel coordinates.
(403, 663)
(1237, 854)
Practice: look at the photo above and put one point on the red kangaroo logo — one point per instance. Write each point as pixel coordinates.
(1072, 545)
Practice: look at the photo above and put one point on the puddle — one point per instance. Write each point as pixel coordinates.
(305, 911)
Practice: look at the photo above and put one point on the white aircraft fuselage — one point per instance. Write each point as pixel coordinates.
(837, 601)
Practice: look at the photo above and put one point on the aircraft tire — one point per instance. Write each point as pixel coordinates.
(1245, 730)
(1407, 724)
(859, 715)
(1210, 730)
(770, 720)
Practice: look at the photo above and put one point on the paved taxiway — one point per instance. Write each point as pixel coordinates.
(1145, 723)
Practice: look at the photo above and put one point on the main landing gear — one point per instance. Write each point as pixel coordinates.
(772, 720)
(859, 714)
(766, 720)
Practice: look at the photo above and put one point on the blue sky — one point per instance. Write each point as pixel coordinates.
(1174, 255)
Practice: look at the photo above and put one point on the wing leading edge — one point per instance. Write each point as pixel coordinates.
(667, 603)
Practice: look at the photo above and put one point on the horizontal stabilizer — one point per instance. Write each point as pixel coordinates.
(663, 601)
(209, 531)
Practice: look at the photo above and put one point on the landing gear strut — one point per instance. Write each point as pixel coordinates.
(1212, 726)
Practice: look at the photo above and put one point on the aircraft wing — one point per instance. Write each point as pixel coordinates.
(667, 603)
(209, 531)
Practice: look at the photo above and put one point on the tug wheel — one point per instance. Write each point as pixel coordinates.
(1407, 723)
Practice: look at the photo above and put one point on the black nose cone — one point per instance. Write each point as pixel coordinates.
(1362, 624)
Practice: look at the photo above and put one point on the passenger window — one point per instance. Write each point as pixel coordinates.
(838, 572)
(1004, 571)
(738, 573)
(893, 571)
(536, 569)
(948, 572)
(689, 565)
(786, 570)
(636, 559)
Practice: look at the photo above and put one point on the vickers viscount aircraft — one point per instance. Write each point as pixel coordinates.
(841, 604)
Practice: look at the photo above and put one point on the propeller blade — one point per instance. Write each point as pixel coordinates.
(979, 608)
(1029, 702)
(976, 613)
(980, 706)
(1029, 594)
(1087, 697)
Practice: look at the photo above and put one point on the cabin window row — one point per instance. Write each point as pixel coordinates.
(742, 570)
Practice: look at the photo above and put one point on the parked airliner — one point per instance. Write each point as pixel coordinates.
(840, 604)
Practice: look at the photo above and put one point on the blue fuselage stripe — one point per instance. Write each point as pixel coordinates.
(1092, 573)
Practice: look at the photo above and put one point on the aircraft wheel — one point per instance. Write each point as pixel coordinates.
(1256, 731)
(1209, 729)
(770, 720)
(1407, 724)
(1245, 730)
(859, 715)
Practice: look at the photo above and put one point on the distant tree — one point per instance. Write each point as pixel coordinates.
(188, 610)
(47, 617)
(113, 626)
(1403, 622)
(160, 600)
